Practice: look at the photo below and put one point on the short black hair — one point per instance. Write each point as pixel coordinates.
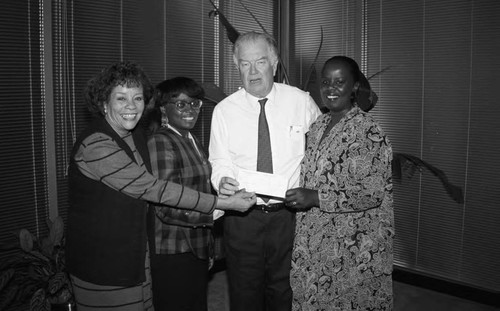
(172, 88)
(364, 97)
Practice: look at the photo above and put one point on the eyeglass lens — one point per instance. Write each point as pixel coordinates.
(182, 105)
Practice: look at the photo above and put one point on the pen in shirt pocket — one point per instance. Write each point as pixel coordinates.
(295, 129)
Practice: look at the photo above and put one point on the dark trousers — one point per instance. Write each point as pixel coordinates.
(258, 250)
(180, 282)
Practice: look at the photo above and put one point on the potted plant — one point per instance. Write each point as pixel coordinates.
(35, 275)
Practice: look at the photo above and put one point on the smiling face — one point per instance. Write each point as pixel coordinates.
(257, 67)
(337, 86)
(182, 120)
(124, 108)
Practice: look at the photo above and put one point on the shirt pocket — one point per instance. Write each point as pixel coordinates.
(296, 135)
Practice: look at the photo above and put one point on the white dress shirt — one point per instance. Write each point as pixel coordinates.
(234, 133)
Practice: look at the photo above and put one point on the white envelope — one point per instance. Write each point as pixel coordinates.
(263, 183)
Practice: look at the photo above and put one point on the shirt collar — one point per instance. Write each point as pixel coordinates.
(177, 132)
(254, 101)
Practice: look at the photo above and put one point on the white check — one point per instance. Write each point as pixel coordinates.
(263, 183)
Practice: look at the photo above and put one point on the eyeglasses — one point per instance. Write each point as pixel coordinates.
(183, 105)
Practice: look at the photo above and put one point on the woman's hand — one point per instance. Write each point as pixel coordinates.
(301, 198)
(241, 201)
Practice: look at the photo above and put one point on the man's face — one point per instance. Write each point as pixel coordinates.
(257, 67)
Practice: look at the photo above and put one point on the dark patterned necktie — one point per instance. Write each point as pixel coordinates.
(264, 154)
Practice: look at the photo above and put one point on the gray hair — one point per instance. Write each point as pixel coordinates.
(254, 36)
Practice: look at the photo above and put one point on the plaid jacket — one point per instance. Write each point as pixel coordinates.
(174, 158)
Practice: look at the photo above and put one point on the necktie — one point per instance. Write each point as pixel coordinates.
(264, 154)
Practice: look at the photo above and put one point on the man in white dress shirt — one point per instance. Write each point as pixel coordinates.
(258, 244)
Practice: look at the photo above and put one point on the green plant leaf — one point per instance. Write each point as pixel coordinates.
(253, 16)
(5, 277)
(312, 69)
(38, 275)
(39, 302)
(64, 296)
(25, 240)
(42, 257)
(57, 282)
(232, 33)
(7, 296)
(56, 231)
(404, 164)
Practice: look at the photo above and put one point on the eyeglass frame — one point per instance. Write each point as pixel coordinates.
(186, 104)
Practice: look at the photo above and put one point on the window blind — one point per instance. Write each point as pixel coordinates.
(167, 38)
(337, 20)
(237, 12)
(437, 102)
(23, 192)
(88, 36)
(223, 75)
(191, 51)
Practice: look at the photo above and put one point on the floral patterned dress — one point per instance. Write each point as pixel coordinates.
(342, 257)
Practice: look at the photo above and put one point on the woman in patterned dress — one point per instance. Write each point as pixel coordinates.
(342, 257)
(110, 184)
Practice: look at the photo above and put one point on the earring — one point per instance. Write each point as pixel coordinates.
(164, 121)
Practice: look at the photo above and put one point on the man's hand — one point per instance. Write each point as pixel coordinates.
(228, 186)
(240, 202)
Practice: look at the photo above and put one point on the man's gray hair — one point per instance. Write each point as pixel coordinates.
(254, 36)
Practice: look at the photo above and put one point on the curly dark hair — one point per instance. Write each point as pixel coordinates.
(124, 73)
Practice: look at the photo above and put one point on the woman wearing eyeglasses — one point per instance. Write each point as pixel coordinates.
(110, 185)
(180, 240)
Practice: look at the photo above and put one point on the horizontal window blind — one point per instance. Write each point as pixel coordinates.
(23, 177)
(237, 13)
(167, 38)
(88, 36)
(337, 20)
(437, 102)
(190, 51)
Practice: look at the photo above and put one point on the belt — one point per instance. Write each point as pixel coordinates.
(270, 208)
